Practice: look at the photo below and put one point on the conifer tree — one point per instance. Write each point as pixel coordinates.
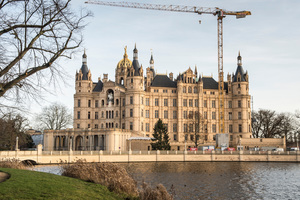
(162, 141)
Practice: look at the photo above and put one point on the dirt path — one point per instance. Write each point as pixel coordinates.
(3, 176)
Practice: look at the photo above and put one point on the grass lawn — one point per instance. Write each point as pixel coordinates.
(25, 184)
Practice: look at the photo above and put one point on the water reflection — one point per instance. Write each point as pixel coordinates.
(216, 180)
(221, 180)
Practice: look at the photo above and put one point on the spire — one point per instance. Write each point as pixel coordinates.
(196, 72)
(239, 59)
(125, 52)
(84, 58)
(135, 62)
(84, 69)
(135, 53)
(151, 60)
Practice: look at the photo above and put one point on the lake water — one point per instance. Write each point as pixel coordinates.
(217, 180)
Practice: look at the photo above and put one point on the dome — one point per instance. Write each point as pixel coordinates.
(125, 62)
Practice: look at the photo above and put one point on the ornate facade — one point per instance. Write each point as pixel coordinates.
(107, 113)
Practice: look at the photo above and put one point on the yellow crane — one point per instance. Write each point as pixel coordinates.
(220, 13)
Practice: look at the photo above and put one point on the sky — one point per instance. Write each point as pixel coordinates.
(268, 41)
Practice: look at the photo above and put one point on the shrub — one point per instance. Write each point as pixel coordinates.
(114, 177)
(158, 193)
(12, 163)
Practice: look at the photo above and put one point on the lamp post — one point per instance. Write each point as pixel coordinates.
(17, 143)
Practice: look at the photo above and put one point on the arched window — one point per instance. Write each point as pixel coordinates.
(190, 89)
(184, 89)
(102, 102)
(195, 90)
(117, 102)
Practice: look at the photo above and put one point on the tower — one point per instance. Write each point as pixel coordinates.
(241, 101)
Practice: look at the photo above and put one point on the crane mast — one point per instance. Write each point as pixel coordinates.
(220, 13)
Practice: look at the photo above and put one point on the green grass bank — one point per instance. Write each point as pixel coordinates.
(25, 184)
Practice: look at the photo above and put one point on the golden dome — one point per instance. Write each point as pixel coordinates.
(125, 62)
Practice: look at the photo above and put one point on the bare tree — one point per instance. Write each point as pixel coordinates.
(196, 127)
(269, 124)
(54, 117)
(34, 35)
(12, 126)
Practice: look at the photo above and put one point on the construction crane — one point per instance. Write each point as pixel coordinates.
(220, 13)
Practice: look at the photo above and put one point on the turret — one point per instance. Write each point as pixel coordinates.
(84, 77)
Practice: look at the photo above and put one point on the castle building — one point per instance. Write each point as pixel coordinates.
(107, 113)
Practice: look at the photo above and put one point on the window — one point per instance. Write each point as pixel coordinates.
(117, 102)
(102, 114)
(191, 114)
(131, 100)
(142, 113)
(147, 113)
(191, 128)
(78, 103)
(192, 137)
(196, 102)
(230, 128)
(102, 102)
(184, 114)
(213, 103)
(96, 104)
(175, 127)
(142, 126)
(239, 103)
(147, 127)
(123, 114)
(174, 114)
(190, 102)
(239, 115)
(78, 114)
(185, 128)
(190, 89)
(156, 102)
(184, 89)
(205, 103)
(229, 104)
(205, 128)
(230, 115)
(213, 115)
(131, 80)
(96, 126)
(89, 103)
(165, 91)
(123, 102)
(165, 102)
(205, 115)
(231, 137)
(131, 126)
(96, 115)
(156, 114)
(212, 93)
(147, 101)
(117, 113)
(214, 128)
(89, 125)
(78, 125)
(175, 137)
(184, 102)
(195, 90)
(131, 112)
(165, 114)
(174, 102)
(240, 128)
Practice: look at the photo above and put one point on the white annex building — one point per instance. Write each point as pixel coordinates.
(107, 113)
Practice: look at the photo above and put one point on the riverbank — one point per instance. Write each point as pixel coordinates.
(25, 184)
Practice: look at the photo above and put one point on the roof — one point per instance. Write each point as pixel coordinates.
(209, 83)
(136, 66)
(163, 81)
(240, 70)
(84, 69)
(98, 87)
